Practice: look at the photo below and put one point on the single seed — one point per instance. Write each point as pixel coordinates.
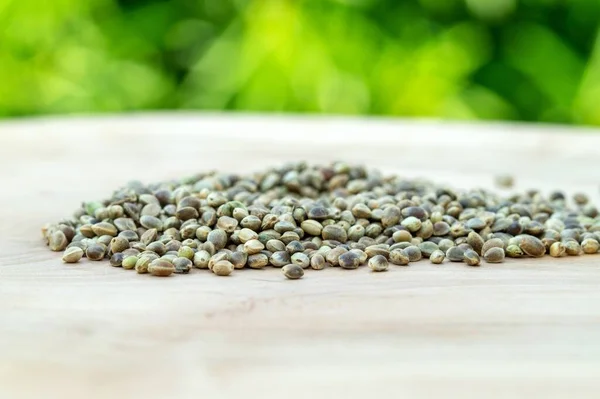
(95, 252)
(292, 271)
(414, 253)
(572, 248)
(300, 259)
(494, 255)
(399, 257)
(58, 241)
(117, 259)
(513, 251)
(142, 264)
(257, 261)
(129, 262)
(72, 255)
(590, 246)
(455, 254)
(471, 257)
(182, 265)
(557, 249)
(161, 268)
(532, 246)
(317, 262)
(437, 257)
(349, 260)
(378, 263)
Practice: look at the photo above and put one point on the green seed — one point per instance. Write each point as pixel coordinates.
(129, 262)
(411, 223)
(142, 264)
(513, 251)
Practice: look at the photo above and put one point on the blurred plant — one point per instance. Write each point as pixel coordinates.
(533, 60)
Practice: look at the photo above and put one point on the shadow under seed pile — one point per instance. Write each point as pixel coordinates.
(300, 216)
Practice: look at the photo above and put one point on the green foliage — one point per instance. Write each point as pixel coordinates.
(533, 60)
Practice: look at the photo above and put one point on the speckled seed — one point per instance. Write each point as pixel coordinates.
(437, 257)
(557, 250)
(334, 232)
(118, 244)
(238, 259)
(414, 253)
(161, 268)
(349, 260)
(253, 247)
(362, 255)
(117, 259)
(399, 257)
(532, 246)
(427, 248)
(280, 258)
(222, 268)
(471, 257)
(334, 254)
(513, 251)
(378, 263)
(182, 265)
(72, 255)
(218, 238)
(151, 222)
(590, 246)
(317, 262)
(95, 252)
(201, 259)
(300, 259)
(257, 261)
(572, 248)
(494, 255)
(142, 264)
(455, 254)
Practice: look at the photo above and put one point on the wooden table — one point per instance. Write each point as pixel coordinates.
(525, 328)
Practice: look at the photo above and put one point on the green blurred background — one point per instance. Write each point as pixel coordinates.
(532, 60)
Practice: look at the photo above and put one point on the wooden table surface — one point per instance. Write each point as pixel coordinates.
(525, 328)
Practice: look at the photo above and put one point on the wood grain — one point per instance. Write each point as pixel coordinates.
(525, 328)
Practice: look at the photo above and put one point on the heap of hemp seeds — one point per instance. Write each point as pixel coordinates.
(299, 216)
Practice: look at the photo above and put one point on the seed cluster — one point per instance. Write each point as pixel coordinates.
(298, 216)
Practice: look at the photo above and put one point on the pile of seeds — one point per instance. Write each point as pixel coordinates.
(299, 216)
